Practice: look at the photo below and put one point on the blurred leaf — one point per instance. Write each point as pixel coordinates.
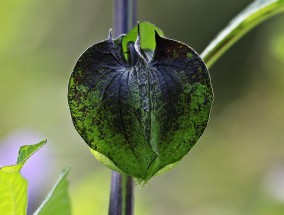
(57, 201)
(277, 43)
(13, 187)
(257, 12)
(12, 15)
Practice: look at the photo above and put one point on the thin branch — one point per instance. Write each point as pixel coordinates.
(115, 202)
(125, 16)
(257, 12)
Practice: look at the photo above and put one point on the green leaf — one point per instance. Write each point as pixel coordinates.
(57, 201)
(13, 191)
(147, 43)
(140, 117)
(26, 151)
(257, 12)
(13, 187)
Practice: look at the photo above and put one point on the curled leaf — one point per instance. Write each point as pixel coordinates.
(140, 112)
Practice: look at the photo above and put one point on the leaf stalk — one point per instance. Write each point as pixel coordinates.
(257, 12)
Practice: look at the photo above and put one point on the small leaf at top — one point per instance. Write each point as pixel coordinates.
(147, 43)
(142, 113)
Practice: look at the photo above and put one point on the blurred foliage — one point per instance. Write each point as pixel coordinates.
(57, 202)
(225, 173)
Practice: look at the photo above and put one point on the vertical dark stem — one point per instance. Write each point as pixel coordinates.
(115, 202)
(121, 194)
(125, 16)
(129, 209)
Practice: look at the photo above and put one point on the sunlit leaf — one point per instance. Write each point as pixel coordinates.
(139, 117)
(57, 201)
(13, 191)
(13, 187)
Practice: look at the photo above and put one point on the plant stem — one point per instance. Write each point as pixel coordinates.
(257, 12)
(127, 195)
(125, 16)
(121, 194)
(115, 202)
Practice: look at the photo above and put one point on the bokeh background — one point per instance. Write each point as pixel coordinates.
(236, 168)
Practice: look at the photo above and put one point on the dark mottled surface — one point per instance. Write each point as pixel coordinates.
(142, 117)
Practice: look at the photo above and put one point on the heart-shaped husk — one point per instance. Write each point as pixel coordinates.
(140, 119)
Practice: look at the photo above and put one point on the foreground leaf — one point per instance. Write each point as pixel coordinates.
(57, 201)
(139, 117)
(254, 14)
(13, 191)
(13, 187)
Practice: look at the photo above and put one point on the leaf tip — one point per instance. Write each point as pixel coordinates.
(65, 171)
(157, 35)
(110, 34)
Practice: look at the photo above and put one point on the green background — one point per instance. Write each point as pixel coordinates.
(236, 168)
